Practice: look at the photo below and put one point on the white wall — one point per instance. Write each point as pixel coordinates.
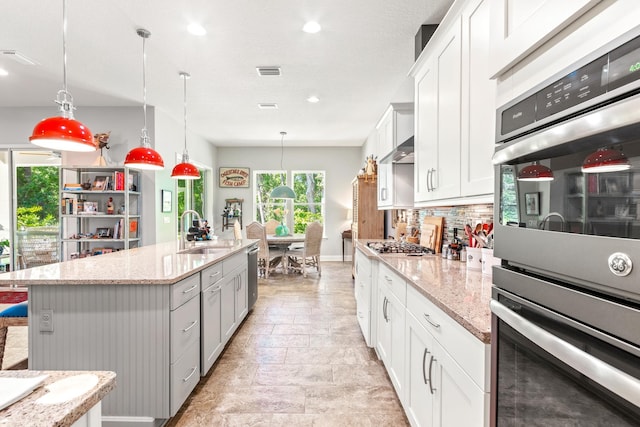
(340, 165)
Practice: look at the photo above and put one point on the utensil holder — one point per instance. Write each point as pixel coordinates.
(474, 259)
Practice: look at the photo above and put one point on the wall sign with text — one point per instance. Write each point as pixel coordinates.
(234, 177)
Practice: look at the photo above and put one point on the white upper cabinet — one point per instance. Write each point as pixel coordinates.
(519, 27)
(395, 127)
(455, 111)
(478, 103)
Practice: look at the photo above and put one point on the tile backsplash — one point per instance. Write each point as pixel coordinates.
(454, 217)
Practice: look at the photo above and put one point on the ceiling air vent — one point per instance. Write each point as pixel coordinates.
(268, 106)
(268, 71)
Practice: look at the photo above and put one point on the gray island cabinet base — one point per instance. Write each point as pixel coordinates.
(150, 334)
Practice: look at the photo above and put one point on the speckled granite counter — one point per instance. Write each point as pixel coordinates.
(154, 264)
(30, 412)
(463, 294)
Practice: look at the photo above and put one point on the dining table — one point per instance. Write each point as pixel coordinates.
(283, 243)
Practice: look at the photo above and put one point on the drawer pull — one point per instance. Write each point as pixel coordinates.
(217, 273)
(194, 323)
(186, 291)
(193, 371)
(217, 289)
(431, 322)
(388, 279)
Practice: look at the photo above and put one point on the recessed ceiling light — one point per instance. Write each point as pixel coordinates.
(311, 27)
(196, 29)
(313, 99)
(268, 106)
(3, 72)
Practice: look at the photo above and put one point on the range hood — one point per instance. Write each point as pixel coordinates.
(403, 152)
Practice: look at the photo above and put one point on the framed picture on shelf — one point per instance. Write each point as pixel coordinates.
(166, 200)
(104, 232)
(99, 183)
(532, 203)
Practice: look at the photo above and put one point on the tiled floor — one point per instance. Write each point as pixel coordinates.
(299, 359)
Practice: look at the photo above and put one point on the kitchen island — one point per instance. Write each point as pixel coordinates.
(139, 313)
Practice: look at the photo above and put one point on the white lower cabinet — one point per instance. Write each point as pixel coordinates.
(390, 326)
(365, 291)
(438, 391)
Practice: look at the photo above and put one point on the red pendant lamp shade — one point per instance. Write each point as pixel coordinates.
(63, 132)
(535, 172)
(144, 157)
(605, 160)
(185, 170)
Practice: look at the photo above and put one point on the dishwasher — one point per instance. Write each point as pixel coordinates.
(252, 286)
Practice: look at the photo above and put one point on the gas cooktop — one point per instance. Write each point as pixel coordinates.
(395, 247)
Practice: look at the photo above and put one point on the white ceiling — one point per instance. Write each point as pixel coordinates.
(356, 65)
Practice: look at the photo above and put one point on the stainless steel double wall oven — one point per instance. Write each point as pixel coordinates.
(566, 298)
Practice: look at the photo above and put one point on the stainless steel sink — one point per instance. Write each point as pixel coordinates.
(205, 250)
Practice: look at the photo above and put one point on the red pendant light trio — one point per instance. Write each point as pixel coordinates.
(63, 132)
(185, 170)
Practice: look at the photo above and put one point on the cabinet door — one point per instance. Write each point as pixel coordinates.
(242, 295)
(520, 27)
(383, 326)
(446, 176)
(384, 130)
(396, 313)
(418, 398)
(385, 184)
(478, 98)
(228, 307)
(425, 139)
(210, 324)
(458, 400)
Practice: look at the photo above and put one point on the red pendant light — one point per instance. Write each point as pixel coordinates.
(63, 132)
(144, 157)
(185, 170)
(535, 172)
(605, 160)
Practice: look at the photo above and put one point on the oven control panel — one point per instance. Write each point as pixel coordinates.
(620, 264)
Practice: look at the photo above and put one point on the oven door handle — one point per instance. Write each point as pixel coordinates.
(619, 382)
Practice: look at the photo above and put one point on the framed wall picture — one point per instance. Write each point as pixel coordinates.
(166, 201)
(234, 177)
(532, 203)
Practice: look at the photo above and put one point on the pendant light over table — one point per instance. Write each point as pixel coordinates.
(282, 191)
(63, 132)
(185, 170)
(144, 157)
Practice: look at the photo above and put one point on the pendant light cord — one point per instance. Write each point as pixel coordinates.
(185, 76)
(145, 35)
(64, 98)
(283, 133)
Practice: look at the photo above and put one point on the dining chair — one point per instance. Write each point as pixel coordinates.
(309, 255)
(271, 225)
(268, 258)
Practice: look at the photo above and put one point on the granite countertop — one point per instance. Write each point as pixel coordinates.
(154, 264)
(463, 294)
(30, 412)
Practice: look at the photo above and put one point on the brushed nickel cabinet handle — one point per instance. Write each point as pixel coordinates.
(193, 371)
(430, 378)
(194, 323)
(424, 362)
(186, 291)
(431, 322)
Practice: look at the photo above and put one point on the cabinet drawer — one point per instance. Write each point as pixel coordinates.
(230, 264)
(395, 283)
(184, 377)
(184, 327)
(184, 290)
(211, 275)
(469, 352)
